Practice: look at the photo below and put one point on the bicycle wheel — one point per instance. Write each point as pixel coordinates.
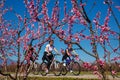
(56, 68)
(75, 68)
(43, 68)
(116, 70)
(64, 69)
(35, 69)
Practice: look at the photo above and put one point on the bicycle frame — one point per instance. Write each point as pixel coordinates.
(53, 61)
(71, 66)
(55, 66)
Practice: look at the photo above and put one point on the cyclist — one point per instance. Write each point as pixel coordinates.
(48, 55)
(30, 54)
(68, 53)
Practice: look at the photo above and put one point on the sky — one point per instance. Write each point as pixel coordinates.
(19, 8)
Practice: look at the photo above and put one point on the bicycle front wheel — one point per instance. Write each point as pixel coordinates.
(76, 68)
(43, 69)
(56, 68)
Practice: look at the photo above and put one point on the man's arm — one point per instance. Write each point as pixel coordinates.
(56, 50)
(75, 53)
(69, 54)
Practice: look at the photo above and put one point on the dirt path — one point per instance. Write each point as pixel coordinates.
(83, 76)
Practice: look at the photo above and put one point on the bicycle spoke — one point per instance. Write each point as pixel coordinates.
(43, 69)
(76, 68)
(36, 69)
(57, 68)
(64, 69)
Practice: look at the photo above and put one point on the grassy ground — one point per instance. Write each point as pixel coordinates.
(53, 78)
(50, 78)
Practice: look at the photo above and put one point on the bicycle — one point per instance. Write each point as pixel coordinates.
(33, 66)
(54, 67)
(71, 65)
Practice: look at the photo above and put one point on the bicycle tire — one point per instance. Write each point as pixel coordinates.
(36, 69)
(57, 68)
(64, 70)
(76, 69)
(43, 68)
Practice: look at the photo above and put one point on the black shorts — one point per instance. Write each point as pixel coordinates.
(65, 57)
(46, 57)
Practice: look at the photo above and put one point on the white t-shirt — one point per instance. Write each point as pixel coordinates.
(50, 48)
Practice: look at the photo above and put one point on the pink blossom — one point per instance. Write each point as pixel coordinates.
(105, 28)
(73, 1)
(77, 38)
(82, 4)
(112, 32)
(82, 35)
(115, 58)
(105, 55)
(10, 54)
(113, 72)
(1, 4)
(86, 65)
(72, 19)
(83, 22)
(87, 37)
(115, 49)
(118, 7)
(26, 1)
(18, 40)
(11, 9)
(69, 38)
(2, 40)
(101, 40)
(19, 17)
(32, 25)
(95, 68)
(5, 10)
(101, 62)
(98, 15)
(95, 21)
(107, 19)
(98, 74)
(61, 32)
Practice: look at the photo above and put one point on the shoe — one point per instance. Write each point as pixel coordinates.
(64, 64)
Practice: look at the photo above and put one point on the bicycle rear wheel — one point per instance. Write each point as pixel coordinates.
(56, 68)
(43, 68)
(35, 69)
(76, 69)
(64, 69)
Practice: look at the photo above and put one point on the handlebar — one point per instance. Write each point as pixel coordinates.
(56, 54)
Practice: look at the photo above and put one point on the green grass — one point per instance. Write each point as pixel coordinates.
(58, 78)
(49, 78)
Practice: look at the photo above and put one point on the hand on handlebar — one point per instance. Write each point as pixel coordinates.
(75, 55)
(48, 54)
